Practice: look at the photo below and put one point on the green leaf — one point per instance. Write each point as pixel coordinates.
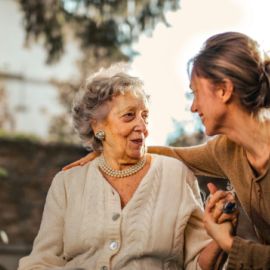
(3, 172)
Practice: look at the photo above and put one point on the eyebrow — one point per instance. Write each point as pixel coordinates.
(130, 108)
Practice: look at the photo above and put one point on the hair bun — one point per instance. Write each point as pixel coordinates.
(264, 80)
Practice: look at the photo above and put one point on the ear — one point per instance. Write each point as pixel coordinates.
(95, 125)
(227, 90)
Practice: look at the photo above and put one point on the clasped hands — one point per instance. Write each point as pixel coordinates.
(219, 225)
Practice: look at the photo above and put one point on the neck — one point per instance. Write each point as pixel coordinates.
(120, 161)
(252, 135)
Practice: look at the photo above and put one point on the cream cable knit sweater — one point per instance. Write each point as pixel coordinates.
(83, 224)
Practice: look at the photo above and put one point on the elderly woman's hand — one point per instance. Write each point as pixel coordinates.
(220, 226)
(82, 161)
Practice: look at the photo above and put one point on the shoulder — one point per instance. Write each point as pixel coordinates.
(76, 176)
(172, 166)
(177, 176)
(168, 161)
(221, 141)
(222, 145)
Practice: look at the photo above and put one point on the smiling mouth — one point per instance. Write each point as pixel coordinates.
(138, 141)
(202, 117)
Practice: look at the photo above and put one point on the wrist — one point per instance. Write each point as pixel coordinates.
(227, 244)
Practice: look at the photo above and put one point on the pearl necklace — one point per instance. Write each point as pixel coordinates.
(118, 173)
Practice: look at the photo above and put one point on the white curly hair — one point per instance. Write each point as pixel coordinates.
(92, 101)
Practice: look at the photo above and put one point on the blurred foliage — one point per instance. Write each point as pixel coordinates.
(104, 29)
(185, 139)
(105, 24)
(180, 138)
(19, 135)
(3, 172)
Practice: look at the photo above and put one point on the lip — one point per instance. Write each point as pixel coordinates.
(201, 116)
(138, 141)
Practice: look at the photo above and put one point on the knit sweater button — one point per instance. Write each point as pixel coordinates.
(115, 216)
(103, 268)
(113, 245)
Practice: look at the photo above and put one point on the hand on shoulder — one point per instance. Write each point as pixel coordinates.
(82, 161)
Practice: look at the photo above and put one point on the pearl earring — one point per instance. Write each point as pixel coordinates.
(100, 135)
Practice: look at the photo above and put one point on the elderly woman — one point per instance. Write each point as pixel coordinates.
(126, 209)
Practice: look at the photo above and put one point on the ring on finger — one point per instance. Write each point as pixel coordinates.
(229, 207)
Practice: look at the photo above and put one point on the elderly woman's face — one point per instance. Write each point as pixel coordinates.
(126, 127)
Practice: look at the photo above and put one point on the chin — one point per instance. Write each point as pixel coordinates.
(210, 132)
(138, 153)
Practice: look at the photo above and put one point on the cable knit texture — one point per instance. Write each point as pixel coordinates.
(160, 228)
(221, 157)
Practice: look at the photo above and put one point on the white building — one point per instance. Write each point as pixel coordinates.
(26, 77)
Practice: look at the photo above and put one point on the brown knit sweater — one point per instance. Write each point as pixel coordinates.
(221, 157)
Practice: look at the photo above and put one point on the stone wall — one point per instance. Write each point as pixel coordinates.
(30, 169)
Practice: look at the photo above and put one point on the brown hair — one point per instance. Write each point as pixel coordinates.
(236, 56)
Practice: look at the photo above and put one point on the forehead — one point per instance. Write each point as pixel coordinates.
(197, 83)
(129, 100)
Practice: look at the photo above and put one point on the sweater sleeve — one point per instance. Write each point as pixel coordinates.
(48, 246)
(196, 237)
(202, 159)
(248, 255)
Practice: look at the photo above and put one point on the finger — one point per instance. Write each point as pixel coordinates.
(235, 223)
(212, 188)
(76, 163)
(227, 217)
(217, 212)
(222, 202)
(90, 157)
(207, 209)
(82, 161)
(231, 197)
(219, 195)
(217, 209)
(208, 221)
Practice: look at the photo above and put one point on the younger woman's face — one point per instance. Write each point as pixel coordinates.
(208, 104)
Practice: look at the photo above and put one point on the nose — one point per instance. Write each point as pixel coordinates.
(193, 107)
(141, 125)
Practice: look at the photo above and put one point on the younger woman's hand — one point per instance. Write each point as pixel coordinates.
(220, 226)
(215, 203)
(82, 161)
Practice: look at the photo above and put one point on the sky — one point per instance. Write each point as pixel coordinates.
(161, 63)
(163, 59)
